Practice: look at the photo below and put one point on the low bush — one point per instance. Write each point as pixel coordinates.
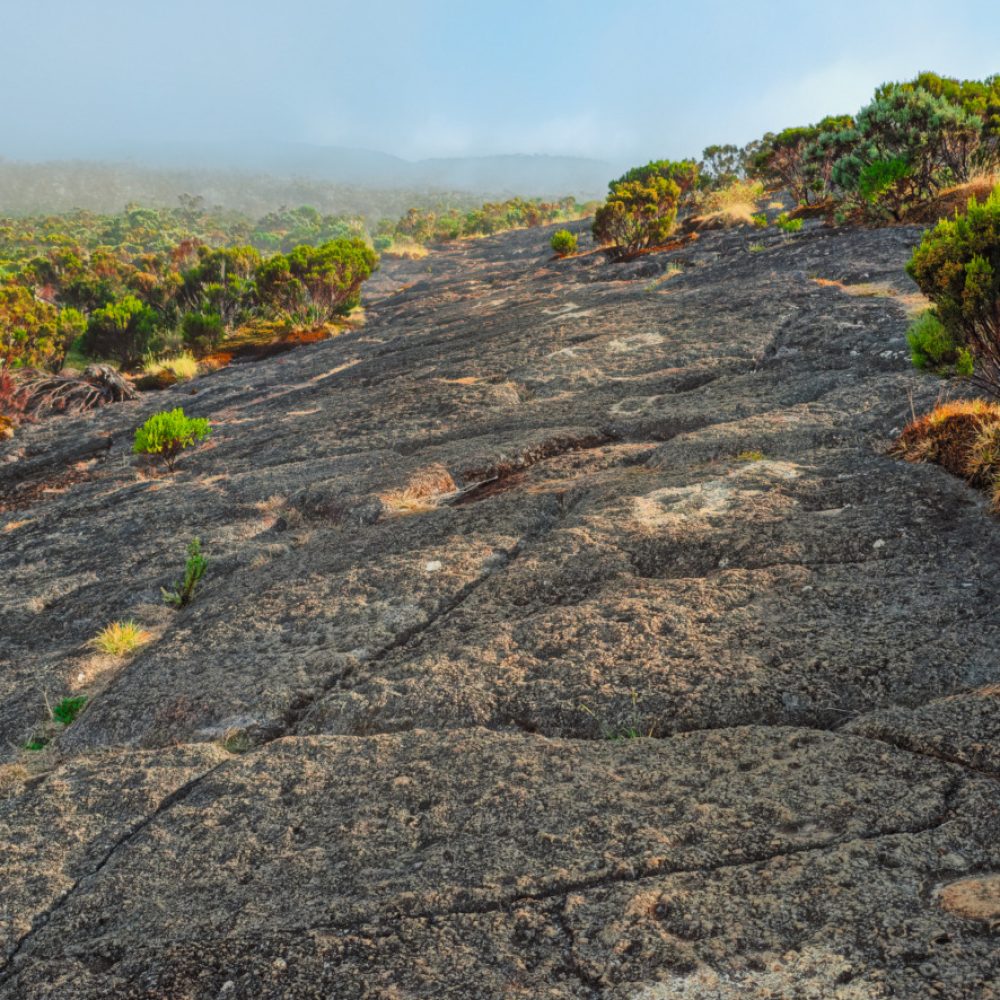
(14, 400)
(165, 435)
(932, 347)
(788, 225)
(563, 242)
(957, 266)
(68, 709)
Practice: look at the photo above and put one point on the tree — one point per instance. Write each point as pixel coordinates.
(721, 165)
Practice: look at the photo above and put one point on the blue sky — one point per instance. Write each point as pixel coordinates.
(622, 81)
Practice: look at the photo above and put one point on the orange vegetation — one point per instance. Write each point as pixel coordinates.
(963, 436)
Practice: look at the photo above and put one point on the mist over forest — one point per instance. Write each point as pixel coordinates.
(350, 182)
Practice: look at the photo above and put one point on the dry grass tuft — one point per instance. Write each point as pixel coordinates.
(913, 302)
(954, 199)
(963, 436)
(421, 493)
(405, 248)
(12, 779)
(180, 368)
(734, 205)
(120, 638)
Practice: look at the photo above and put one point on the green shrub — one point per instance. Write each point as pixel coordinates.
(932, 347)
(957, 266)
(563, 242)
(902, 149)
(759, 220)
(683, 173)
(787, 225)
(123, 330)
(315, 284)
(194, 570)
(165, 435)
(637, 214)
(202, 331)
(68, 709)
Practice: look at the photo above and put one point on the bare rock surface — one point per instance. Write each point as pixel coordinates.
(567, 633)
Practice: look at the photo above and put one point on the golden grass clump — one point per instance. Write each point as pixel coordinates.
(403, 246)
(733, 205)
(421, 493)
(182, 367)
(954, 199)
(120, 638)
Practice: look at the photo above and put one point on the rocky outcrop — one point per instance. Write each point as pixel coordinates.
(567, 632)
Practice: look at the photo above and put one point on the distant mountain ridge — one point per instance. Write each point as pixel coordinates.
(530, 175)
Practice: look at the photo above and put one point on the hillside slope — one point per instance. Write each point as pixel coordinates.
(567, 633)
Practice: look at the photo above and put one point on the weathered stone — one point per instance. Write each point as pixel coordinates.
(576, 634)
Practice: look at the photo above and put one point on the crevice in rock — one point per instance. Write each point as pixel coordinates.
(901, 741)
(42, 919)
(298, 715)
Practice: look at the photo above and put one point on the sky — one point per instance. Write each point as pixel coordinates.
(619, 81)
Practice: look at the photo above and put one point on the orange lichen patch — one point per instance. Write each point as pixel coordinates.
(14, 525)
(6, 427)
(466, 380)
(213, 362)
(948, 435)
(312, 336)
(973, 898)
(421, 492)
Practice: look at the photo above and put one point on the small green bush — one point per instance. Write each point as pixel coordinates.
(68, 709)
(165, 435)
(194, 570)
(759, 220)
(563, 242)
(932, 347)
(787, 225)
